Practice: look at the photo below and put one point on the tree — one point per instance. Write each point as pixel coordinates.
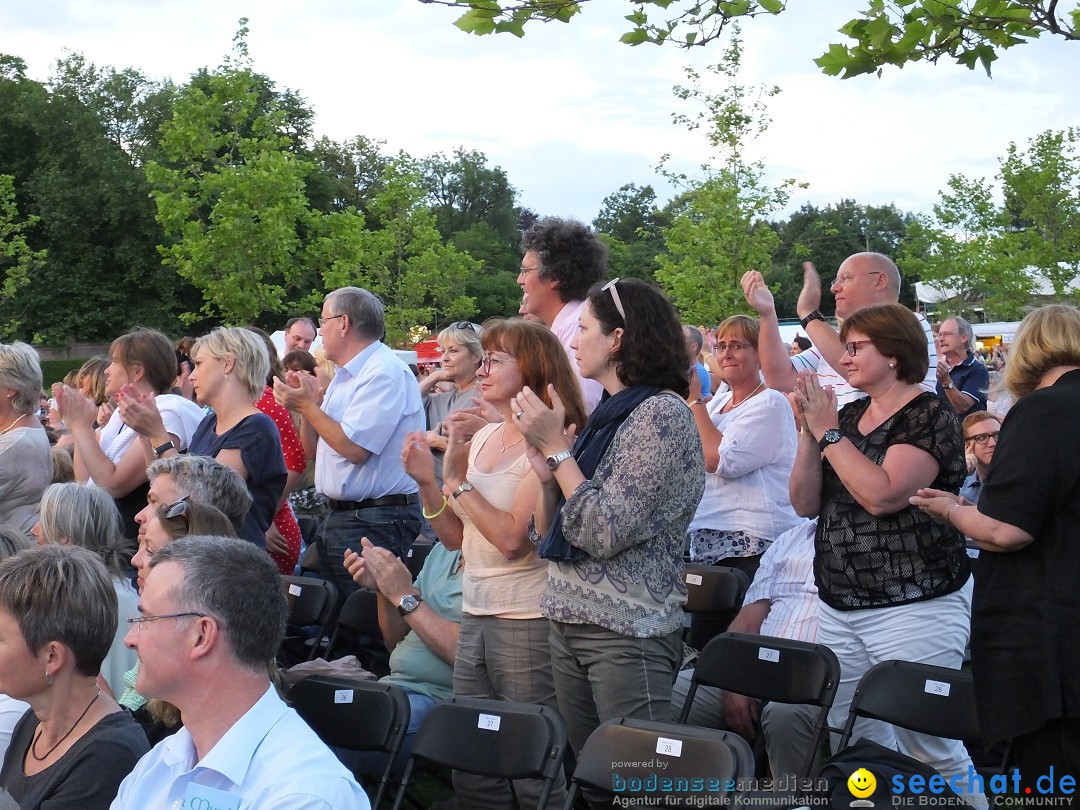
(18, 261)
(232, 195)
(967, 252)
(632, 226)
(884, 32)
(419, 278)
(720, 229)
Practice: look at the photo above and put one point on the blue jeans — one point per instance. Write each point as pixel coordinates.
(391, 527)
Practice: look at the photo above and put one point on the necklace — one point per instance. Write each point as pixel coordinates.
(9, 427)
(33, 746)
(506, 447)
(735, 404)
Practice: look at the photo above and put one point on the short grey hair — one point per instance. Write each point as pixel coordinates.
(86, 516)
(693, 334)
(467, 336)
(62, 593)
(20, 369)
(235, 583)
(252, 362)
(963, 328)
(364, 310)
(207, 480)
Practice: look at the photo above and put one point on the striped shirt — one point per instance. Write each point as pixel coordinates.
(785, 578)
(811, 360)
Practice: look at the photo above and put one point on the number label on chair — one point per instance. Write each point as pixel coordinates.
(343, 696)
(295, 590)
(937, 688)
(768, 654)
(489, 722)
(669, 748)
(693, 579)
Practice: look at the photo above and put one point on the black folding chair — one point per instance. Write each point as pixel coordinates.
(355, 715)
(357, 632)
(417, 554)
(714, 595)
(492, 738)
(622, 758)
(769, 668)
(311, 602)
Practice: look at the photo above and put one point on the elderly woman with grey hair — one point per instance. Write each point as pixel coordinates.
(231, 366)
(75, 745)
(462, 353)
(25, 461)
(81, 515)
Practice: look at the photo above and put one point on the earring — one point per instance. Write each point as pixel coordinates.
(48, 678)
(892, 365)
(226, 375)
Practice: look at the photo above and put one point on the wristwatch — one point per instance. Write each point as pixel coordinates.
(554, 461)
(162, 449)
(813, 316)
(464, 486)
(409, 602)
(830, 436)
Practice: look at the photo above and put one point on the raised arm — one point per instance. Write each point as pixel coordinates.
(775, 362)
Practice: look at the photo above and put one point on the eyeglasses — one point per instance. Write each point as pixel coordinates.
(844, 279)
(610, 287)
(982, 438)
(179, 510)
(322, 320)
(487, 360)
(526, 270)
(735, 346)
(852, 348)
(138, 621)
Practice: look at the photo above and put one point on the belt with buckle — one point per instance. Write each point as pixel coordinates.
(386, 500)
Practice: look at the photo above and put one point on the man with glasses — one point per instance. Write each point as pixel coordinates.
(863, 279)
(563, 259)
(962, 379)
(356, 430)
(211, 615)
(980, 442)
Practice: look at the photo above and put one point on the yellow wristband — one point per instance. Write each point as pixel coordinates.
(432, 517)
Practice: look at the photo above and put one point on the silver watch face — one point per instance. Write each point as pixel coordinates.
(409, 603)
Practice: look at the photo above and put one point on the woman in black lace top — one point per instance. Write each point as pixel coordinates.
(893, 583)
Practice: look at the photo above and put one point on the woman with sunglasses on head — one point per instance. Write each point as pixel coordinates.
(893, 584)
(613, 510)
(159, 526)
(484, 509)
(461, 356)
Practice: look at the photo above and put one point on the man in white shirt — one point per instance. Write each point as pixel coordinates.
(211, 617)
(299, 334)
(862, 280)
(356, 430)
(563, 259)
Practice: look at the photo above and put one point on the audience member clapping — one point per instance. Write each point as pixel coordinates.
(25, 462)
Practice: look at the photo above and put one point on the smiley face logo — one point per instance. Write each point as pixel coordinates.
(861, 783)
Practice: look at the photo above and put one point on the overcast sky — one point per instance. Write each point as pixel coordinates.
(569, 112)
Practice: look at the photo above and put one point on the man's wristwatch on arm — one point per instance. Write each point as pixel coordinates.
(409, 602)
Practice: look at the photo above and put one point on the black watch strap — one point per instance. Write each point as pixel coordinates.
(161, 449)
(813, 316)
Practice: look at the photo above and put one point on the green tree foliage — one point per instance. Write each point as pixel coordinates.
(632, 226)
(18, 261)
(720, 229)
(883, 32)
(232, 195)
(90, 209)
(419, 278)
(967, 252)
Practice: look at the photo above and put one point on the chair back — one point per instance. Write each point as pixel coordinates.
(356, 715)
(920, 697)
(769, 668)
(622, 758)
(311, 602)
(714, 588)
(492, 738)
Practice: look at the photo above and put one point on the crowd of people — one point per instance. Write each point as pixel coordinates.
(566, 463)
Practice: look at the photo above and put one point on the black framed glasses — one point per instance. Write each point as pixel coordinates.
(611, 288)
(983, 438)
(465, 325)
(852, 347)
(139, 621)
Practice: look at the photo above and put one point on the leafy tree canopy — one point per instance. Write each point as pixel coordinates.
(883, 32)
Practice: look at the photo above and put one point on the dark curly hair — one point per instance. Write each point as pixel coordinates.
(652, 350)
(570, 253)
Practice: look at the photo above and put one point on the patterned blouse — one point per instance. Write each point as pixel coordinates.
(632, 518)
(863, 561)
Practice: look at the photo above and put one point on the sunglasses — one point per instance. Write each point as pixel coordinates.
(611, 288)
(179, 511)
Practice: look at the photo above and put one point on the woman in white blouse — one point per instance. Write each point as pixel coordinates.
(749, 438)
